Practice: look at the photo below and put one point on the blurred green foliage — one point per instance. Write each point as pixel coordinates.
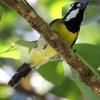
(4, 92)
(90, 54)
(57, 72)
(14, 29)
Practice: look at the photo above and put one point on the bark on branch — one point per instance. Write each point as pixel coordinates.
(73, 60)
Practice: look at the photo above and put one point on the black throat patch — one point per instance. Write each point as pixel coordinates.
(74, 24)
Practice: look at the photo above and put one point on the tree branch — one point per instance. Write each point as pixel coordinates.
(57, 43)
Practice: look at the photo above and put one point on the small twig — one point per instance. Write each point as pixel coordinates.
(73, 60)
(12, 48)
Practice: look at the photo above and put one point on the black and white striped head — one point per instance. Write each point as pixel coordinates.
(74, 15)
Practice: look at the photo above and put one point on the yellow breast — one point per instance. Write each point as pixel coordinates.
(66, 35)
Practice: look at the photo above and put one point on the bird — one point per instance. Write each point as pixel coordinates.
(67, 27)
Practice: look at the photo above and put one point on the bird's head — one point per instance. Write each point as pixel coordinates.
(74, 15)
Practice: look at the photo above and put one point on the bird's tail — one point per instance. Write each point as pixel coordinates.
(22, 72)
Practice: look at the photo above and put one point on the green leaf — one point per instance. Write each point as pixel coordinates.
(91, 55)
(5, 91)
(67, 89)
(53, 71)
(28, 44)
(8, 51)
(87, 92)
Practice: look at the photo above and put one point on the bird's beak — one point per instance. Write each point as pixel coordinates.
(84, 4)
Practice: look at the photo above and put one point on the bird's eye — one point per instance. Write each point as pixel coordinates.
(78, 5)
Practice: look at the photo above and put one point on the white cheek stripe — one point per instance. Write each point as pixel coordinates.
(72, 15)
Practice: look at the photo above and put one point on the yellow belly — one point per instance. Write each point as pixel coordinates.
(38, 57)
